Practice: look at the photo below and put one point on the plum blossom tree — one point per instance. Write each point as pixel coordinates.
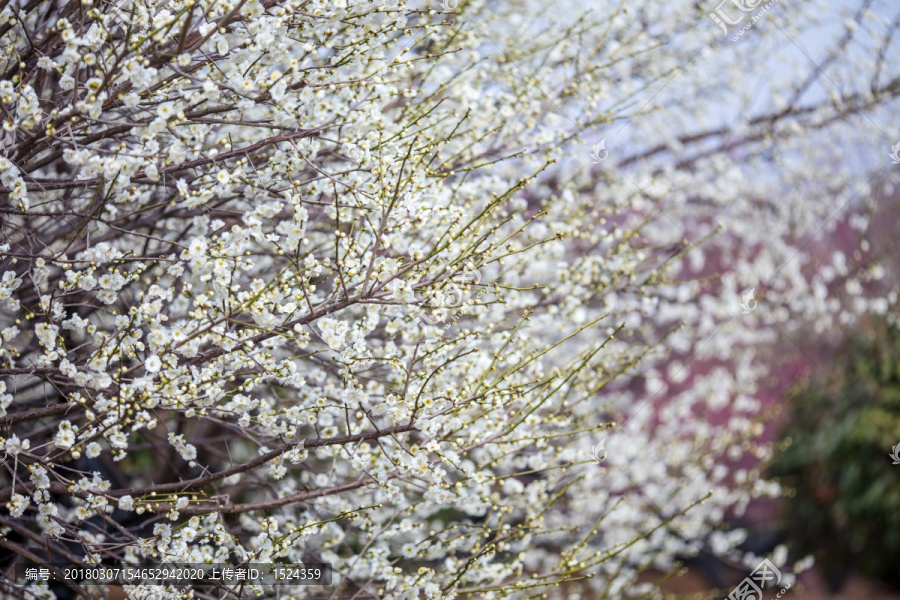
(302, 281)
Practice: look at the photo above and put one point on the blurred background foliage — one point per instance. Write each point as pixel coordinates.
(843, 492)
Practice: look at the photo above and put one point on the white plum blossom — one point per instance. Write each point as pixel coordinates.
(93, 450)
(65, 436)
(17, 505)
(341, 279)
(14, 445)
(153, 363)
(333, 332)
(187, 451)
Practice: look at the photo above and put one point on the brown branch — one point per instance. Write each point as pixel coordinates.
(36, 413)
(84, 183)
(25, 553)
(268, 504)
(181, 486)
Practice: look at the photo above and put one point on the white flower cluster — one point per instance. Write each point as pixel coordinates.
(338, 281)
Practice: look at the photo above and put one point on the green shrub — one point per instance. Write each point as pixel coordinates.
(843, 502)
